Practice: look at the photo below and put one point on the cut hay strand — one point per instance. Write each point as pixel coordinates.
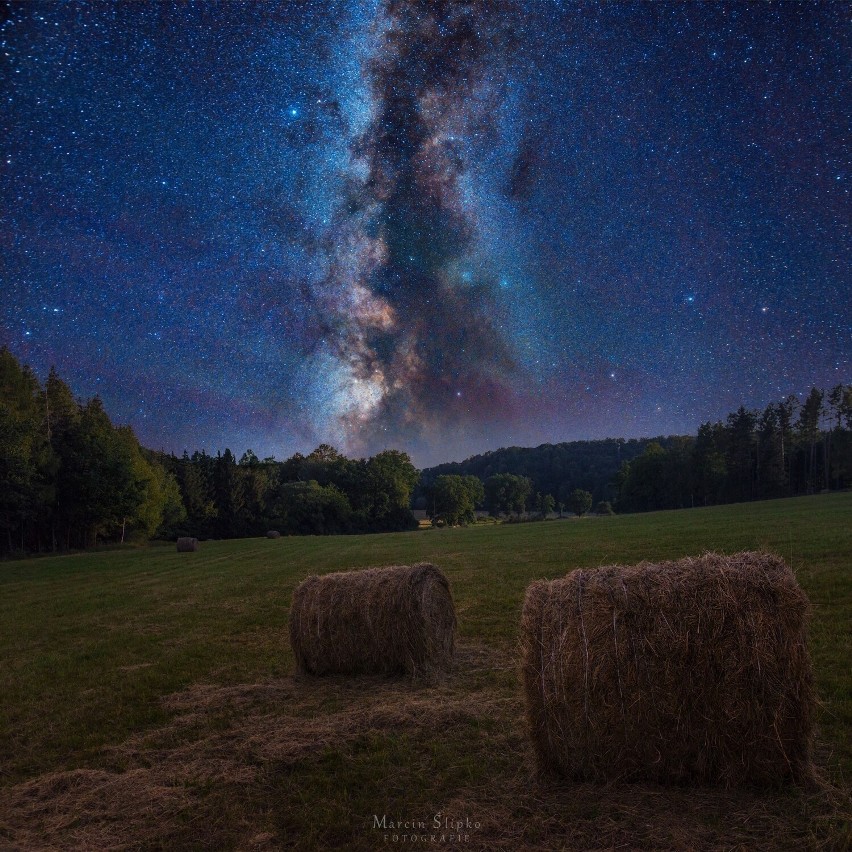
(394, 620)
(696, 670)
(187, 545)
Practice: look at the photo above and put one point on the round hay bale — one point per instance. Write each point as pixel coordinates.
(187, 545)
(394, 620)
(689, 671)
(273, 534)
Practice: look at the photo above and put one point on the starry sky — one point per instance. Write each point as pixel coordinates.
(439, 226)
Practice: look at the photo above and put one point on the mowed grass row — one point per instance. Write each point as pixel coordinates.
(90, 644)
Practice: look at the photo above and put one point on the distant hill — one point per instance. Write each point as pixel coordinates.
(555, 469)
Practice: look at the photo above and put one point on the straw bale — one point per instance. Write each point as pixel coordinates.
(273, 534)
(688, 671)
(187, 545)
(394, 620)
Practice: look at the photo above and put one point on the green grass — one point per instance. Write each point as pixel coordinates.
(92, 644)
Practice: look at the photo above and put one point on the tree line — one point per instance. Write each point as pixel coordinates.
(788, 448)
(70, 478)
(556, 470)
(452, 499)
(321, 493)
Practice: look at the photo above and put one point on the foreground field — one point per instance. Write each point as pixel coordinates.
(147, 699)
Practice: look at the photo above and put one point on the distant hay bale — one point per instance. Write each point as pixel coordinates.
(689, 671)
(273, 534)
(395, 620)
(187, 545)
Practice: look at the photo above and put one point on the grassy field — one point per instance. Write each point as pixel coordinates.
(147, 699)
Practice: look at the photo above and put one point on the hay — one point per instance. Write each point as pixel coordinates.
(689, 671)
(395, 620)
(273, 534)
(187, 545)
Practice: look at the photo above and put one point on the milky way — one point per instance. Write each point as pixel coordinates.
(439, 226)
(411, 335)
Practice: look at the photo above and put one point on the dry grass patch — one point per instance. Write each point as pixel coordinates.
(239, 767)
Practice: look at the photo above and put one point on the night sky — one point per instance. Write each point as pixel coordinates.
(437, 226)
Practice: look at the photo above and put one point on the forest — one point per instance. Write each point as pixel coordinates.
(71, 479)
(554, 469)
(788, 448)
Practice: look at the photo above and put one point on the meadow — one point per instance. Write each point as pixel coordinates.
(147, 699)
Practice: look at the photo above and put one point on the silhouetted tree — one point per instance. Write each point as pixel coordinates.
(580, 502)
(308, 508)
(506, 493)
(741, 456)
(771, 476)
(454, 499)
(808, 428)
(389, 478)
(709, 465)
(98, 486)
(230, 498)
(642, 482)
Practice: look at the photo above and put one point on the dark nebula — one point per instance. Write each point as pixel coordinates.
(416, 335)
